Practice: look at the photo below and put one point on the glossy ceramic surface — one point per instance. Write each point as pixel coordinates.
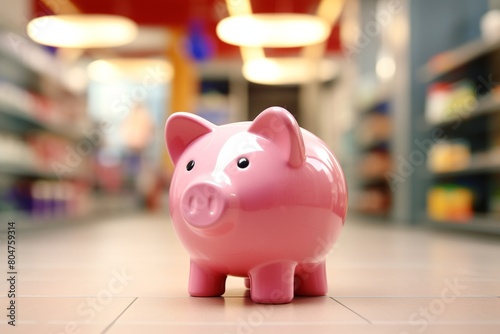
(264, 200)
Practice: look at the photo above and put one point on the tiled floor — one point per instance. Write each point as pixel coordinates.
(129, 275)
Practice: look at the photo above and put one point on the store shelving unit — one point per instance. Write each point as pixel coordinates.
(480, 223)
(451, 60)
(22, 120)
(372, 136)
(39, 110)
(484, 107)
(479, 163)
(478, 62)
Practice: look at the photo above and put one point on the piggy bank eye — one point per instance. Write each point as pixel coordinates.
(190, 165)
(243, 163)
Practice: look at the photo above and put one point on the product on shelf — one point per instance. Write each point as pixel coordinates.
(374, 200)
(374, 165)
(15, 152)
(374, 128)
(449, 156)
(463, 100)
(48, 148)
(447, 101)
(60, 112)
(450, 202)
(46, 199)
(438, 96)
(15, 97)
(35, 154)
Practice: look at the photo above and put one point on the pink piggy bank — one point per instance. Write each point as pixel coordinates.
(264, 200)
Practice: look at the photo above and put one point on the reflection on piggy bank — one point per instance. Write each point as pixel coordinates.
(264, 200)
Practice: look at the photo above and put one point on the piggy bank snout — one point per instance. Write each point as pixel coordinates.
(202, 205)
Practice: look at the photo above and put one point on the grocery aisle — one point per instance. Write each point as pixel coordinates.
(129, 275)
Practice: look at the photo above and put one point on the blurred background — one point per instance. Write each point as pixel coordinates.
(406, 93)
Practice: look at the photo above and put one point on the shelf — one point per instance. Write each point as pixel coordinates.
(480, 223)
(30, 171)
(22, 120)
(102, 205)
(479, 163)
(375, 215)
(448, 61)
(19, 170)
(380, 144)
(373, 181)
(484, 107)
(375, 107)
(375, 98)
(26, 221)
(32, 57)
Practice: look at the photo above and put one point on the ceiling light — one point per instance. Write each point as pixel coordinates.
(82, 31)
(148, 71)
(273, 30)
(287, 71)
(385, 68)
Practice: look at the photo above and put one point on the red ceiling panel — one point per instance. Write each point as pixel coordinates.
(179, 13)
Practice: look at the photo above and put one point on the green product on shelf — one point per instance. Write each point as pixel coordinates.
(462, 100)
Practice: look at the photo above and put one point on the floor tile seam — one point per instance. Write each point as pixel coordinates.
(359, 315)
(119, 316)
(439, 322)
(236, 323)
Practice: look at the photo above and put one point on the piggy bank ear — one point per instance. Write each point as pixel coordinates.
(181, 130)
(279, 126)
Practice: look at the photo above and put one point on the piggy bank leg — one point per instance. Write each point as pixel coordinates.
(311, 281)
(272, 283)
(204, 282)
